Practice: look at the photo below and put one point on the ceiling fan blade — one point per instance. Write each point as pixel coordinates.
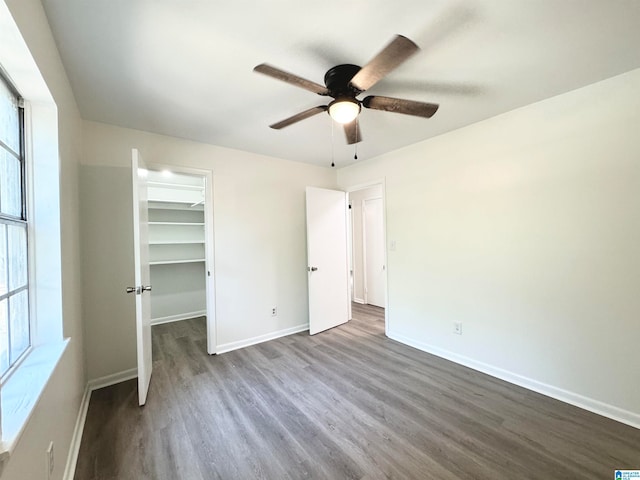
(352, 131)
(391, 56)
(292, 79)
(399, 105)
(299, 116)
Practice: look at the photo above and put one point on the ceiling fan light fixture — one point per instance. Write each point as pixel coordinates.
(344, 110)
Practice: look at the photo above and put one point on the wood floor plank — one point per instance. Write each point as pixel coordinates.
(348, 403)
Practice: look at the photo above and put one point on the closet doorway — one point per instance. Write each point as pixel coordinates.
(181, 246)
(367, 237)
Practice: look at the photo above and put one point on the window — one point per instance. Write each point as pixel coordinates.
(14, 279)
(31, 325)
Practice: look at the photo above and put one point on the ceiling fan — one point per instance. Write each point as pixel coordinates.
(345, 82)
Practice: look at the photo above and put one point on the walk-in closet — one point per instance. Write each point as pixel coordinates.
(177, 249)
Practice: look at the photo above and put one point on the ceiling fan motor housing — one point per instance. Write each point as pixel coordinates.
(338, 80)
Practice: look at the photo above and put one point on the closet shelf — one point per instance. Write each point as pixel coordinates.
(174, 262)
(175, 205)
(176, 186)
(176, 242)
(177, 223)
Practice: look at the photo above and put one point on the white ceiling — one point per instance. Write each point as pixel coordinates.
(184, 68)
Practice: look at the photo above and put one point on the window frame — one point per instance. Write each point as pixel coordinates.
(23, 221)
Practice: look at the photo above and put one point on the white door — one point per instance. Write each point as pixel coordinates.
(142, 288)
(210, 279)
(373, 240)
(327, 259)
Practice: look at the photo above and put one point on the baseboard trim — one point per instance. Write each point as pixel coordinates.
(227, 347)
(358, 300)
(178, 317)
(596, 406)
(76, 439)
(112, 379)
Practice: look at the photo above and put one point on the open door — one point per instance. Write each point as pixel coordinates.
(210, 279)
(374, 262)
(327, 259)
(142, 286)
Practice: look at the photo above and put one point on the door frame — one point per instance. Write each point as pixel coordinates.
(212, 335)
(364, 186)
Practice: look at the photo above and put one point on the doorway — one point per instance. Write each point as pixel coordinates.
(181, 247)
(367, 262)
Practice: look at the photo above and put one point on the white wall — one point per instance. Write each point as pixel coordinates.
(179, 291)
(55, 414)
(525, 228)
(260, 239)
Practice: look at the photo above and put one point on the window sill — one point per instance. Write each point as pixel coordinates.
(21, 392)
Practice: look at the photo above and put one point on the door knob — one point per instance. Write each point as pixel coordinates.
(146, 289)
(313, 269)
(135, 290)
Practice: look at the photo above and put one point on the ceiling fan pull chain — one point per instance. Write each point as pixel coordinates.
(333, 163)
(355, 156)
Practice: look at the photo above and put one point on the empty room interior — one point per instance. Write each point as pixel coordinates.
(358, 240)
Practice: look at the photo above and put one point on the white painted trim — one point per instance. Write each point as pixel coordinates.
(358, 300)
(112, 379)
(365, 185)
(572, 398)
(178, 317)
(76, 439)
(227, 347)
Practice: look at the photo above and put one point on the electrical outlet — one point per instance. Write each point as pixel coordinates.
(274, 311)
(457, 328)
(50, 460)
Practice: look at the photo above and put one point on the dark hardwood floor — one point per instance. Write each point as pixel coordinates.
(348, 403)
